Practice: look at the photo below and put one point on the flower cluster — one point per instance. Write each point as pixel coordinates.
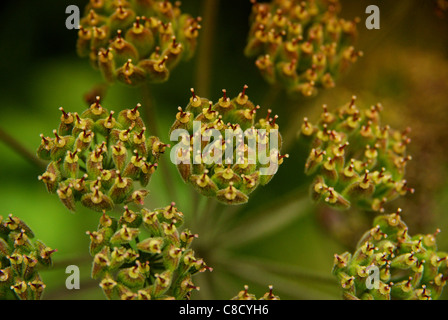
(144, 255)
(96, 157)
(390, 264)
(20, 261)
(354, 159)
(245, 295)
(301, 45)
(221, 168)
(136, 41)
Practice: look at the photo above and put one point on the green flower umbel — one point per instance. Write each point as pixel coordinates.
(390, 264)
(224, 153)
(301, 45)
(96, 157)
(144, 255)
(20, 261)
(355, 159)
(136, 41)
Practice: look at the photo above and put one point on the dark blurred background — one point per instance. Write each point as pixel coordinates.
(279, 237)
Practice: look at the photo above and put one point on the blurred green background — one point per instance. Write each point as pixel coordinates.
(280, 237)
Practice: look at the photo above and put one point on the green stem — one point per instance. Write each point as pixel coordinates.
(198, 203)
(195, 205)
(204, 217)
(150, 117)
(149, 109)
(211, 221)
(21, 150)
(205, 50)
(300, 108)
(294, 271)
(226, 214)
(168, 178)
(271, 97)
(203, 73)
(262, 222)
(303, 289)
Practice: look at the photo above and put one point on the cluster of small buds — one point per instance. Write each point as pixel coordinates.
(223, 169)
(160, 266)
(136, 41)
(390, 264)
(355, 160)
(20, 261)
(96, 157)
(301, 45)
(245, 295)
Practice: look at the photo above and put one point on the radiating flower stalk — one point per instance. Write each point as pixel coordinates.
(136, 42)
(354, 159)
(21, 259)
(301, 45)
(145, 255)
(245, 295)
(205, 163)
(388, 263)
(97, 157)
